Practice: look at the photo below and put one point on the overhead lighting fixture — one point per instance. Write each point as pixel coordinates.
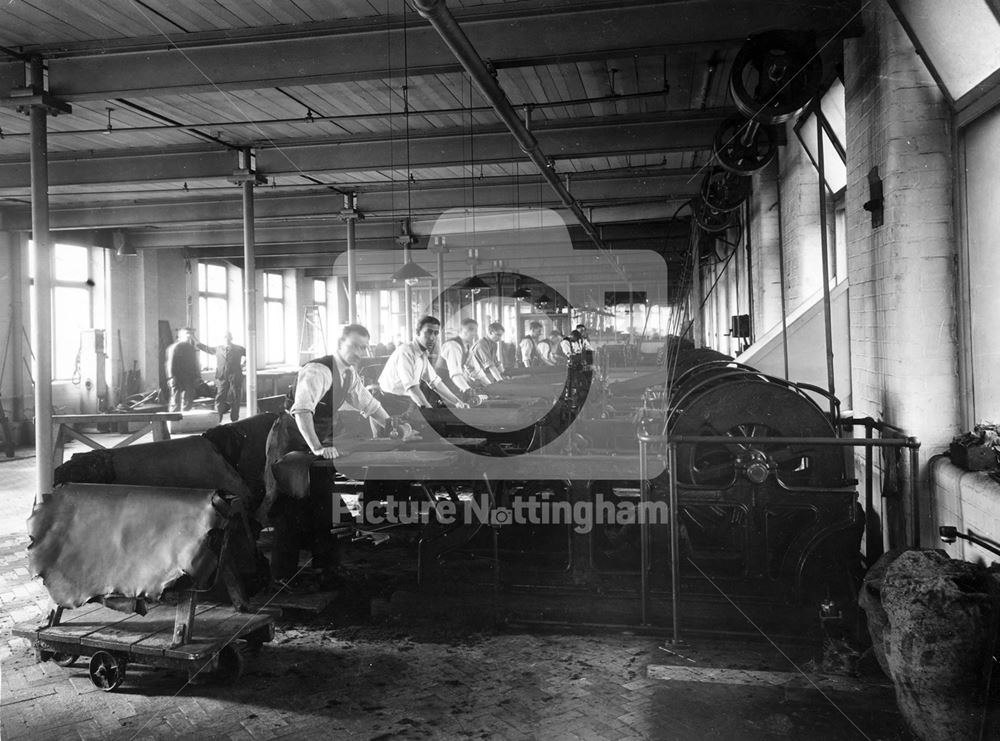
(474, 284)
(410, 273)
(521, 294)
(543, 301)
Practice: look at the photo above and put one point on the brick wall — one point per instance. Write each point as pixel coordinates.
(799, 222)
(902, 281)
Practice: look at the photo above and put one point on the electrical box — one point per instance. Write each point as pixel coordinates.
(93, 372)
(739, 326)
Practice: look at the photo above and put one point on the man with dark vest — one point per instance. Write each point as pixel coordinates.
(485, 361)
(453, 363)
(299, 506)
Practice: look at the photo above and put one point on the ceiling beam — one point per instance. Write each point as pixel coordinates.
(286, 239)
(625, 135)
(660, 187)
(357, 51)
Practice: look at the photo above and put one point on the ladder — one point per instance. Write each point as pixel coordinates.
(312, 341)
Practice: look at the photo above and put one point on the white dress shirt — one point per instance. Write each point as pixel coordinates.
(408, 365)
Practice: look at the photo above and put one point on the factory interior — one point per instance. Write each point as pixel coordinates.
(522, 369)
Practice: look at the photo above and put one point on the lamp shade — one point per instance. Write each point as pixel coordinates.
(521, 294)
(410, 271)
(475, 283)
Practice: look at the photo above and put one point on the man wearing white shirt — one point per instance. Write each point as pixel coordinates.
(530, 356)
(299, 505)
(455, 353)
(410, 364)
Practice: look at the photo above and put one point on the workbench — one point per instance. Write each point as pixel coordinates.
(152, 422)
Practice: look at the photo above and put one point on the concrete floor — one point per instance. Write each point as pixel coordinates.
(344, 674)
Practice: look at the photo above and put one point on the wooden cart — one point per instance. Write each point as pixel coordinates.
(205, 640)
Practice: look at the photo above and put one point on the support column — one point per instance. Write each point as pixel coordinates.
(15, 358)
(246, 176)
(34, 99)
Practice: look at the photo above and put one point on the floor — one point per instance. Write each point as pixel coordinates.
(346, 674)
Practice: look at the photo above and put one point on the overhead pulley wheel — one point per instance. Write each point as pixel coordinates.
(107, 671)
(775, 75)
(743, 146)
(722, 190)
(712, 220)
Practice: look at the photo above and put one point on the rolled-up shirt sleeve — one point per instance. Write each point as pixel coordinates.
(313, 382)
(359, 397)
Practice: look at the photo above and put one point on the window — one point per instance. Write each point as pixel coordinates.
(980, 149)
(73, 304)
(960, 40)
(274, 319)
(830, 114)
(213, 305)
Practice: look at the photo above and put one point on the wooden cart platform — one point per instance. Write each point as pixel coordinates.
(112, 638)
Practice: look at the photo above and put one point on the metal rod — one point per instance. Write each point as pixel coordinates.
(824, 242)
(914, 446)
(445, 24)
(41, 301)
(352, 267)
(675, 534)
(696, 323)
(643, 537)
(837, 442)
(250, 296)
(440, 283)
(870, 542)
(781, 267)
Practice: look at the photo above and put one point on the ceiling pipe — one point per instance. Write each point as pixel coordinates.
(454, 37)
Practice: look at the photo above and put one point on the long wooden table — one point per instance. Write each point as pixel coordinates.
(152, 422)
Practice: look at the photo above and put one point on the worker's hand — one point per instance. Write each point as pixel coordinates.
(461, 405)
(327, 453)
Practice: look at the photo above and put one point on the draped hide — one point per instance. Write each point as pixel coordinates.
(91, 540)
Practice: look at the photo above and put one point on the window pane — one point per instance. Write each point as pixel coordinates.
(70, 315)
(202, 280)
(274, 320)
(216, 278)
(319, 292)
(272, 285)
(834, 109)
(71, 263)
(961, 39)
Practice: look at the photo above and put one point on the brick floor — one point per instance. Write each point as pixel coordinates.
(390, 681)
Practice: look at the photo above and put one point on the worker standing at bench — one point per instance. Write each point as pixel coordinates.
(229, 360)
(485, 362)
(298, 501)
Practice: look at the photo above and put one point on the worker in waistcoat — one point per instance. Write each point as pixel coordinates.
(453, 365)
(485, 359)
(300, 507)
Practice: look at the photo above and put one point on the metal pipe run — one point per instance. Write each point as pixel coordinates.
(824, 243)
(643, 537)
(454, 37)
(41, 301)
(250, 295)
(675, 534)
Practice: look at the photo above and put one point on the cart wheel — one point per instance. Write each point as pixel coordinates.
(230, 666)
(107, 672)
(65, 659)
